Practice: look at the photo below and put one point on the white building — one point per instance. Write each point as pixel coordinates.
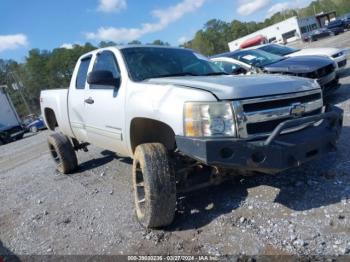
(283, 32)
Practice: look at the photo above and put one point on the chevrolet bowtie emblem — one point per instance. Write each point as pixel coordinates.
(297, 110)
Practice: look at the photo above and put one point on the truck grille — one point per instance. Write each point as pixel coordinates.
(259, 117)
(319, 73)
(280, 103)
(324, 71)
(269, 126)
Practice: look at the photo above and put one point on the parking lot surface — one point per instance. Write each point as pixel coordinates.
(339, 41)
(302, 211)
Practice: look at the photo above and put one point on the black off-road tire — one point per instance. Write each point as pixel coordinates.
(154, 186)
(62, 152)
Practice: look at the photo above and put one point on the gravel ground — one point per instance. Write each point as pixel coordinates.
(305, 211)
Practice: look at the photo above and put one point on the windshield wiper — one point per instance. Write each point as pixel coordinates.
(215, 74)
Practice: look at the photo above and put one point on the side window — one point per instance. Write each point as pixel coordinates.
(82, 73)
(106, 61)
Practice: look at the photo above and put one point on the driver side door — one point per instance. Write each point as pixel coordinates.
(105, 106)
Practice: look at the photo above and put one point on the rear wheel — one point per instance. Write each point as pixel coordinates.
(154, 186)
(62, 152)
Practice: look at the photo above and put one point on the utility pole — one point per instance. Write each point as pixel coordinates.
(20, 90)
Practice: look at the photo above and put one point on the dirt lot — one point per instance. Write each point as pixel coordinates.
(302, 211)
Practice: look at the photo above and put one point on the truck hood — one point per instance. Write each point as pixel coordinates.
(316, 51)
(299, 64)
(240, 87)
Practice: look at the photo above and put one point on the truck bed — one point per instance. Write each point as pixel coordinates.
(57, 101)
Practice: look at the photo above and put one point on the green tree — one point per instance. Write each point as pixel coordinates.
(8, 70)
(103, 44)
(212, 38)
(159, 42)
(135, 42)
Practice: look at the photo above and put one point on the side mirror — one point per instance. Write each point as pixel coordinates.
(102, 77)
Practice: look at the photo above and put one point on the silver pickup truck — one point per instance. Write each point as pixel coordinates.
(173, 112)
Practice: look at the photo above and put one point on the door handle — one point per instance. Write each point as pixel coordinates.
(89, 101)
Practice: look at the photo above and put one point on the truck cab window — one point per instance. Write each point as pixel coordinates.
(106, 61)
(82, 73)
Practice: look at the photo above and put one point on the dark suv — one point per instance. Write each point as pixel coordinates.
(337, 26)
(10, 133)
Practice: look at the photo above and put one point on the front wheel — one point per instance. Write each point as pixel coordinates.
(154, 186)
(62, 152)
(34, 129)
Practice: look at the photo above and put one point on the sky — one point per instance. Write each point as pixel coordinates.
(47, 24)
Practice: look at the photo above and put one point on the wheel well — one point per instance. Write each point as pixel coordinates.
(50, 118)
(145, 130)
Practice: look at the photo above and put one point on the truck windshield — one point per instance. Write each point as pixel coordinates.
(258, 58)
(278, 49)
(153, 62)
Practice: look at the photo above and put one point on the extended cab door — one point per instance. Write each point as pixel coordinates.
(76, 98)
(105, 106)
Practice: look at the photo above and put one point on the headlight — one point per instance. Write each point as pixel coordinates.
(208, 119)
(338, 54)
(315, 84)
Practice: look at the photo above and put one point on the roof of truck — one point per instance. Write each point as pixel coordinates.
(137, 46)
(121, 47)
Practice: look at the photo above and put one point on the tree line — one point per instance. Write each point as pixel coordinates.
(43, 69)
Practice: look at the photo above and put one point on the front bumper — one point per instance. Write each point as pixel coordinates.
(277, 153)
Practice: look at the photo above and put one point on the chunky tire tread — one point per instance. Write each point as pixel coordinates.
(67, 158)
(159, 184)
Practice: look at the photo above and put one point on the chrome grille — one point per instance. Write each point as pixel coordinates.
(260, 116)
(322, 72)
